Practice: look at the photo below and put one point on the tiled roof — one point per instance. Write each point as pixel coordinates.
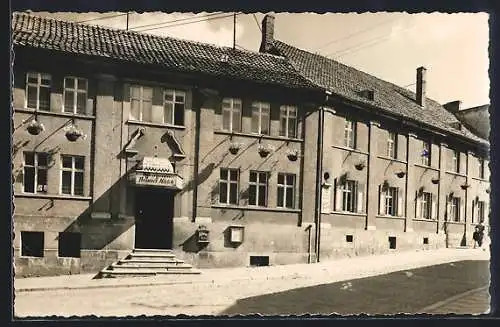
(175, 54)
(349, 82)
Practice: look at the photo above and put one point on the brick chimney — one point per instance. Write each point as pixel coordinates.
(267, 33)
(421, 86)
(453, 106)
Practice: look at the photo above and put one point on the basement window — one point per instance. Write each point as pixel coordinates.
(426, 240)
(349, 238)
(32, 244)
(69, 245)
(259, 261)
(392, 242)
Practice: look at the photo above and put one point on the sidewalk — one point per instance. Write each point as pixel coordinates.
(323, 272)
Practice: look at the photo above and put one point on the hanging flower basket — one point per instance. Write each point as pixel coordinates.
(435, 181)
(264, 150)
(292, 154)
(234, 148)
(73, 133)
(465, 186)
(360, 165)
(385, 185)
(488, 190)
(35, 127)
(401, 174)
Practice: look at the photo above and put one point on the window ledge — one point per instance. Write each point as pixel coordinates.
(55, 114)
(53, 196)
(390, 217)
(347, 213)
(258, 136)
(146, 123)
(426, 167)
(455, 222)
(254, 208)
(426, 220)
(480, 179)
(349, 149)
(392, 159)
(455, 173)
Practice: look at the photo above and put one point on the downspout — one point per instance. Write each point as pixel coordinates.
(198, 101)
(319, 176)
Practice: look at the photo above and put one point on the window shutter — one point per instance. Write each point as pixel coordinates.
(400, 202)
(338, 196)
(360, 188)
(434, 206)
(381, 201)
(417, 205)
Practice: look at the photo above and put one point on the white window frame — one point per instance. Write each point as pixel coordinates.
(229, 181)
(38, 85)
(36, 168)
(286, 189)
(425, 206)
(260, 109)
(349, 188)
(75, 91)
(258, 183)
(174, 93)
(390, 196)
(481, 167)
(232, 110)
(455, 209)
(288, 113)
(392, 145)
(481, 205)
(426, 160)
(73, 170)
(455, 161)
(141, 100)
(349, 133)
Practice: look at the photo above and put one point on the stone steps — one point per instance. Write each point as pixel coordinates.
(148, 262)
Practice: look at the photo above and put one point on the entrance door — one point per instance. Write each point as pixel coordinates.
(154, 210)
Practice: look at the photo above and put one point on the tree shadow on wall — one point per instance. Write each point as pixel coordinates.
(97, 233)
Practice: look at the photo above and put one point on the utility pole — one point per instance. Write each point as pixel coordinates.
(127, 22)
(234, 31)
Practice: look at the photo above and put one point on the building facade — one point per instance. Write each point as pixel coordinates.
(124, 140)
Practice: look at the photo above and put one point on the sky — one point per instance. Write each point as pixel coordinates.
(391, 46)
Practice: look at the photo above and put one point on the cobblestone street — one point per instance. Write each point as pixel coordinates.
(220, 295)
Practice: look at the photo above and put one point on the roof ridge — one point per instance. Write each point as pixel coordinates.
(138, 33)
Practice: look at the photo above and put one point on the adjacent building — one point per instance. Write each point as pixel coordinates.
(125, 140)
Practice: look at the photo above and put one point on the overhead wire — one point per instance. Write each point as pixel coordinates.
(190, 22)
(177, 20)
(100, 18)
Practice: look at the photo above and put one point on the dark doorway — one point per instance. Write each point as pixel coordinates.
(154, 210)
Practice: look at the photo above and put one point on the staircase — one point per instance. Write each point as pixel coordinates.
(148, 262)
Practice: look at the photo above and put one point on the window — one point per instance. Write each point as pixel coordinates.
(349, 196)
(424, 206)
(481, 167)
(38, 91)
(75, 95)
(173, 106)
(349, 134)
(258, 189)
(231, 115)
(392, 142)
(72, 168)
(455, 161)
(69, 245)
(32, 244)
(390, 201)
(288, 121)
(480, 211)
(286, 191)
(228, 186)
(35, 172)
(260, 117)
(426, 153)
(141, 103)
(455, 209)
